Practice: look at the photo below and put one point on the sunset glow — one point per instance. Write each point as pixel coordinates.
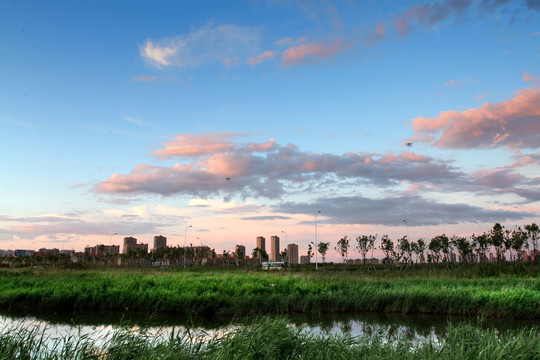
(245, 118)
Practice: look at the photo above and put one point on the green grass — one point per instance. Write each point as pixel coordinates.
(268, 338)
(248, 293)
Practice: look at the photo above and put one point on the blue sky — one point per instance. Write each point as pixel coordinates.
(127, 117)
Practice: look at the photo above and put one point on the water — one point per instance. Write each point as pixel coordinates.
(100, 326)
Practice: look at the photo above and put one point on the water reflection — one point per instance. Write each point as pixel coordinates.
(384, 326)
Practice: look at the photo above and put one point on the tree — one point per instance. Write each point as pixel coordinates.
(365, 243)
(463, 247)
(533, 231)
(404, 250)
(264, 255)
(342, 248)
(481, 243)
(445, 247)
(519, 240)
(285, 255)
(323, 248)
(435, 248)
(387, 247)
(419, 249)
(496, 236)
(256, 253)
(310, 252)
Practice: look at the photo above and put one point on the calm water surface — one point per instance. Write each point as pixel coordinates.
(100, 325)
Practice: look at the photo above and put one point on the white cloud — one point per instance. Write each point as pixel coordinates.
(209, 44)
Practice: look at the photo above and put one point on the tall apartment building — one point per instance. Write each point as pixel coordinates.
(100, 250)
(292, 251)
(160, 242)
(240, 251)
(130, 244)
(261, 243)
(274, 248)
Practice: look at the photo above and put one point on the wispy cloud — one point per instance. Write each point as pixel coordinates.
(454, 83)
(51, 226)
(529, 79)
(391, 211)
(133, 120)
(481, 97)
(267, 55)
(313, 52)
(206, 45)
(145, 78)
(373, 36)
(428, 15)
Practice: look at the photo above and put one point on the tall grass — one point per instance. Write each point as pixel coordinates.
(268, 338)
(221, 293)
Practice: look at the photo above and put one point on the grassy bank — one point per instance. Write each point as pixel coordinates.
(272, 339)
(226, 293)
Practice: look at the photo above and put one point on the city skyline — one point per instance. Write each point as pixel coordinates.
(239, 119)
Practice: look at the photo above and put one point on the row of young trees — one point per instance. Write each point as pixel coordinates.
(441, 247)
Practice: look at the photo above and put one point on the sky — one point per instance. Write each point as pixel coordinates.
(214, 122)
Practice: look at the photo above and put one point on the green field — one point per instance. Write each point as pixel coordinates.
(203, 293)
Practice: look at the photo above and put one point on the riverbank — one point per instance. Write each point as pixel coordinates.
(209, 293)
(267, 338)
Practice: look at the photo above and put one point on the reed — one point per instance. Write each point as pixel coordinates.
(271, 338)
(223, 293)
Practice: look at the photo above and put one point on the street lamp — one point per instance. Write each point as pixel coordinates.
(286, 237)
(407, 228)
(185, 243)
(316, 246)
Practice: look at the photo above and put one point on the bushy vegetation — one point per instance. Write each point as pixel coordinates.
(268, 338)
(246, 293)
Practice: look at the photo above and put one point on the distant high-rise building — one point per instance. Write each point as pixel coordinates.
(100, 250)
(160, 242)
(240, 251)
(130, 244)
(274, 248)
(292, 251)
(261, 243)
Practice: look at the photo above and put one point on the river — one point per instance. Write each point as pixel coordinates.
(99, 326)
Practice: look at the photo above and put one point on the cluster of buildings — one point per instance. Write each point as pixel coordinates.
(160, 242)
(275, 254)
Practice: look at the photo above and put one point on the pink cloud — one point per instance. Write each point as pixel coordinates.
(452, 83)
(528, 78)
(267, 55)
(413, 157)
(231, 61)
(375, 35)
(264, 169)
(229, 164)
(514, 123)
(267, 146)
(307, 53)
(194, 145)
(481, 97)
(525, 160)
